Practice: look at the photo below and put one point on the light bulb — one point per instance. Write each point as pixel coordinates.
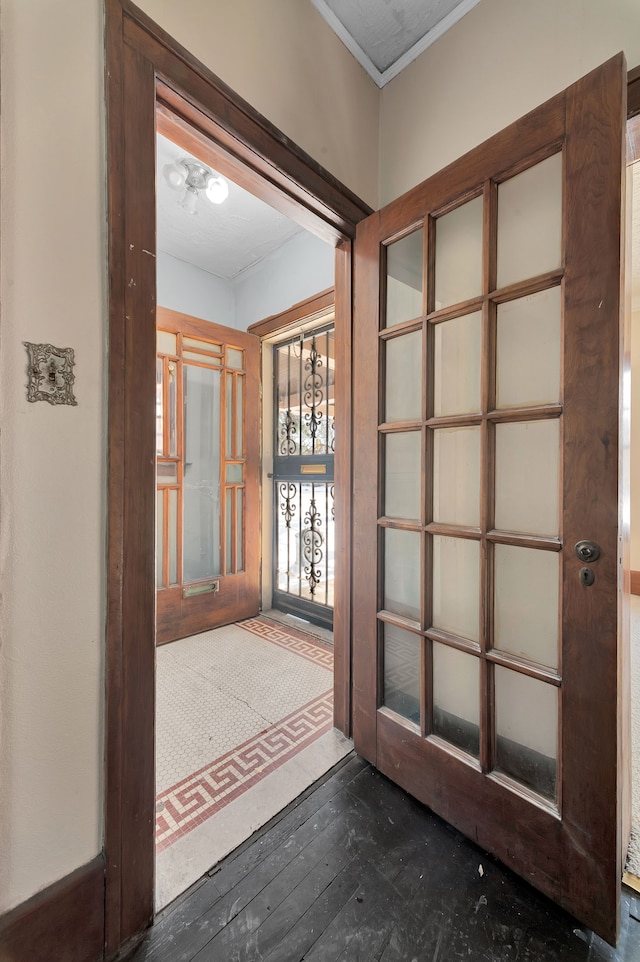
(175, 175)
(217, 189)
(190, 200)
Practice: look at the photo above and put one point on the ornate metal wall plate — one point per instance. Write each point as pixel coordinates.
(50, 373)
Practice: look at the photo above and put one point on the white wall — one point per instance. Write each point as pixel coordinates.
(53, 288)
(302, 267)
(190, 290)
(502, 59)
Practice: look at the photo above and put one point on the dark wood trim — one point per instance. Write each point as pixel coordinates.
(342, 645)
(64, 922)
(633, 92)
(635, 582)
(142, 63)
(306, 310)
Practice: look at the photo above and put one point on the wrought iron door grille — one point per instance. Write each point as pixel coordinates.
(304, 445)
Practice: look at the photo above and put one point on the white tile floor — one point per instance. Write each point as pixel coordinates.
(217, 691)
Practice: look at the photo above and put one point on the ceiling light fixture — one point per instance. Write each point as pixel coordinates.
(191, 177)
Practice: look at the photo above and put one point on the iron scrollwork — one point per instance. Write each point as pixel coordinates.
(312, 542)
(288, 431)
(314, 384)
(288, 493)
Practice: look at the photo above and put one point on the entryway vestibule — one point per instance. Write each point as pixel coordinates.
(149, 73)
(139, 71)
(244, 704)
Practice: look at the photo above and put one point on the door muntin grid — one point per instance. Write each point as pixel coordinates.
(481, 544)
(195, 513)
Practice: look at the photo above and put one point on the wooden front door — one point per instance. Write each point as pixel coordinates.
(208, 469)
(487, 389)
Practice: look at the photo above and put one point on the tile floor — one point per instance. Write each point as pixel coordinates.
(243, 725)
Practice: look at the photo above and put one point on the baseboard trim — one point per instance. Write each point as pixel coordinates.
(635, 582)
(64, 922)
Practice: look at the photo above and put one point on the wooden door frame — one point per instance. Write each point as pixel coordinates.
(146, 68)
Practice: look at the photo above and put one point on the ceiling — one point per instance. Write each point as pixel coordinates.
(385, 36)
(224, 239)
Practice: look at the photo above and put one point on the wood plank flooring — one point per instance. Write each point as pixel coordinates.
(355, 870)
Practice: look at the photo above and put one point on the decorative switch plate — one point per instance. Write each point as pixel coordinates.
(50, 373)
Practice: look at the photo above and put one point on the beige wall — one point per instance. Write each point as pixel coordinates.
(283, 58)
(501, 60)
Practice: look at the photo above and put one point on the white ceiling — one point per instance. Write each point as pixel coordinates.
(223, 239)
(385, 36)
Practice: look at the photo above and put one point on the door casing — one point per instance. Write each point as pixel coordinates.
(149, 76)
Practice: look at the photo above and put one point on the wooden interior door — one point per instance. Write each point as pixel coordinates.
(208, 475)
(487, 372)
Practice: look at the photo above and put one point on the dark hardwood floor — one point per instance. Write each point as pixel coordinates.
(355, 869)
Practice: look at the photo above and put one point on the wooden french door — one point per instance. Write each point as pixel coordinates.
(207, 475)
(487, 371)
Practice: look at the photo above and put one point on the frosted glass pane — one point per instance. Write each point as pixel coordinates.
(235, 358)
(402, 475)
(239, 416)
(201, 485)
(402, 672)
(239, 530)
(403, 395)
(228, 567)
(159, 407)
(229, 415)
(459, 254)
(159, 536)
(528, 350)
(457, 365)
(526, 603)
(456, 476)
(402, 572)
(166, 342)
(173, 409)
(208, 359)
(173, 537)
(404, 279)
(530, 222)
(234, 473)
(526, 730)
(456, 586)
(199, 345)
(167, 472)
(456, 697)
(527, 480)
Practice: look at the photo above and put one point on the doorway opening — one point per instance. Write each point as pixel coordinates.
(244, 667)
